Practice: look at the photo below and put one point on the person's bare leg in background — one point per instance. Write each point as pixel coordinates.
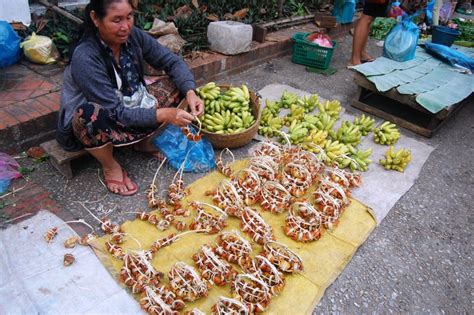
(359, 43)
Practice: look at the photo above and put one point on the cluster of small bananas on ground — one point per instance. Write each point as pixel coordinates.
(314, 140)
(296, 114)
(296, 132)
(366, 124)
(387, 133)
(334, 150)
(270, 122)
(357, 160)
(271, 108)
(270, 126)
(348, 133)
(288, 99)
(227, 112)
(314, 132)
(332, 108)
(310, 102)
(325, 121)
(396, 160)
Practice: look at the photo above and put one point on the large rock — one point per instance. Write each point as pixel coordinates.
(229, 37)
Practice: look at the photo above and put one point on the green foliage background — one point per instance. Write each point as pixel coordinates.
(192, 29)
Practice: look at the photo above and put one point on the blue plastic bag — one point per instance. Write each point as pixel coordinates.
(176, 147)
(9, 45)
(8, 171)
(450, 55)
(344, 11)
(400, 43)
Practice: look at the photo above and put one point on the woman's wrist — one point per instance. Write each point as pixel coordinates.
(161, 115)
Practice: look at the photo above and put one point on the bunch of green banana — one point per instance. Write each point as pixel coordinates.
(325, 122)
(332, 108)
(357, 161)
(365, 124)
(348, 133)
(214, 106)
(236, 99)
(310, 102)
(227, 112)
(396, 160)
(387, 133)
(272, 107)
(333, 150)
(296, 113)
(227, 122)
(297, 131)
(312, 119)
(270, 126)
(210, 91)
(288, 99)
(316, 138)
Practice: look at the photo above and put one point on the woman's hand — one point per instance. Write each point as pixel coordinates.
(174, 116)
(196, 105)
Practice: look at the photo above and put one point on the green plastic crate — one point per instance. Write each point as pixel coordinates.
(310, 54)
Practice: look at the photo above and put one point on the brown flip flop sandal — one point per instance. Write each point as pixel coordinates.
(117, 182)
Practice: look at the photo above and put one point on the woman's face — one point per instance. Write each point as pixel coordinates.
(116, 25)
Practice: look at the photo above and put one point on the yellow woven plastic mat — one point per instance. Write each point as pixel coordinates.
(323, 260)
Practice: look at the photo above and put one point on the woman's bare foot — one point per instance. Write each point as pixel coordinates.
(118, 182)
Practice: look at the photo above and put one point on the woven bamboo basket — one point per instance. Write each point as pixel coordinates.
(235, 140)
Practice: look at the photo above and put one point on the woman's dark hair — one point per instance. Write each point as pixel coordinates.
(88, 28)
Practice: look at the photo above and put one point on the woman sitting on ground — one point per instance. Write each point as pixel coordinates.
(104, 102)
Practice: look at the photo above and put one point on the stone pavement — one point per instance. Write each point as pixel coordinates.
(417, 261)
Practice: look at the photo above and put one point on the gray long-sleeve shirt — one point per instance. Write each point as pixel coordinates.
(86, 79)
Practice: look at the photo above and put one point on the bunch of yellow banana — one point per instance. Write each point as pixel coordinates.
(316, 138)
(396, 160)
(333, 150)
(270, 126)
(310, 102)
(348, 133)
(288, 99)
(357, 161)
(387, 133)
(365, 123)
(210, 91)
(332, 108)
(325, 122)
(296, 113)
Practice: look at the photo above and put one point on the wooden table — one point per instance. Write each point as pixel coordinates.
(401, 109)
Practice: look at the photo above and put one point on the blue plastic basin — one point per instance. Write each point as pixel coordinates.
(444, 35)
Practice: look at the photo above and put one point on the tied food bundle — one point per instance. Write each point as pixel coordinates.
(226, 110)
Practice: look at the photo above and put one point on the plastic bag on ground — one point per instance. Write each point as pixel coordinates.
(176, 147)
(450, 55)
(400, 44)
(8, 171)
(40, 49)
(320, 39)
(9, 45)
